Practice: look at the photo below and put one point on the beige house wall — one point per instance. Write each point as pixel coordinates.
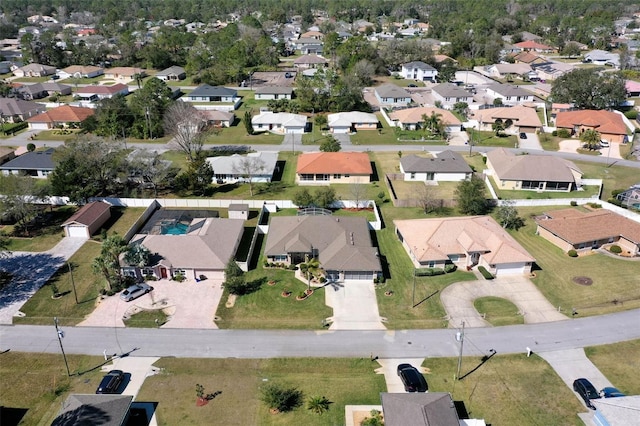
(553, 239)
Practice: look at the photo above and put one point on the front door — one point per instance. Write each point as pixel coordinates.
(163, 272)
(475, 257)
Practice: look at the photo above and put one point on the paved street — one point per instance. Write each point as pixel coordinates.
(543, 337)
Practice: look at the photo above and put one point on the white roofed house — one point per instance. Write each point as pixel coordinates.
(218, 118)
(418, 70)
(80, 71)
(254, 167)
(273, 93)
(214, 97)
(173, 73)
(347, 122)
(279, 122)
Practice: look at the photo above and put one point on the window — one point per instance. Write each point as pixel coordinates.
(454, 257)
(129, 273)
(280, 258)
(306, 177)
(147, 271)
(337, 176)
(322, 177)
(182, 272)
(413, 176)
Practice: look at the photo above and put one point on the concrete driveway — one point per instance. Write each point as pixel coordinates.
(531, 142)
(572, 145)
(389, 367)
(189, 304)
(458, 300)
(343, 138)
(292, 140)
(355, 306)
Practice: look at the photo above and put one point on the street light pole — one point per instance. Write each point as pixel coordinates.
(60, 334)
(73, 283)
(460, 338)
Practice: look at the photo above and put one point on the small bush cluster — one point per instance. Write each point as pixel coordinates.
(448, 268)
(573, 203)
(279, 265)
(429, 272)
(595, 205)
(486, 274)
(572, 253)
(150, 278)
(379, 280)
(179, 278)
(615, 249)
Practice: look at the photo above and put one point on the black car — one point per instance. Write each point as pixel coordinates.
(523, 135)
(111, 382)
(586, 390)
(412, 379)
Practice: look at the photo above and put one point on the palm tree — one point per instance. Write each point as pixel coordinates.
(591, 138)
(433, 123)
(311, 268)
(318, 404)
(498, 126)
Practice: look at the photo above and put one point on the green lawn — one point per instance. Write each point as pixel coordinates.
(610, 291)
(44, 235)
(147, 319)
(613, 176)
(237, 134)
(58, 135)
(498, 311)
(483, 138)
(616, 362)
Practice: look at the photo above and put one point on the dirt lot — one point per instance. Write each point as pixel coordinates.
(274, 78)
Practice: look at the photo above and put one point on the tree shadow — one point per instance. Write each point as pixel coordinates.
(30, 271)
(12, 416)
(86, 414)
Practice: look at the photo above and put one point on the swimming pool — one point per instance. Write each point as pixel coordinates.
(174, 229)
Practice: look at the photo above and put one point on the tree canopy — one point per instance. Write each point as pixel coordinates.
(471, 196)
(589, 89)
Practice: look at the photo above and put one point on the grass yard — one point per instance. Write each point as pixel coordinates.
(122, 219)
(483, 138)
(613, 177)
(342, 381)
(498, 311)
(64, 135)
(549, 142)
(44, 235)
(38, 383)
(616, 282)
(616, 361)
(147, 319)
(237, 134)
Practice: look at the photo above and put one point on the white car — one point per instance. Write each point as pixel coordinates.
(604, 144)
(135, 291)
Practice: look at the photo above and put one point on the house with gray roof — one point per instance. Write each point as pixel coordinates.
(449, 94)
(174, 73)
(279, 122)
(342, 245)
(392, 95)
(420, 409)
(37, 164)
(273, 93)
(94, 409)
(509, 94)
(254, 167)
(532, 172)
(15, 110)
(30, 92)
(218, 97)
(446, 166)
(418, 70)
(34, 70)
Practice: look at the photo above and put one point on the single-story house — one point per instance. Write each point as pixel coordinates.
(273, 92)
(214, 95)
(551, 70)
(509, 94)
(524, 119)
(422, 409)
(508, 70)
(124, 74)
(532, 172)
(446, 166)
(324, 168)
(255, 166)
(449, 94)
(630, 197)
(174, 73)
(531, 45)
(86, 221)
(34, 70)
(342, 245)
(572, 229)
(418, 70)
(218, 118)
(94, 409)
(352, 121)
(96, 92)
(42, 90)
(310, 61)
(16, 110)
(308, 46)
(616, 411)
(279, 122)
(37, 164)
(392, 95)
(528, 58)
(609, 124)
(62, 116)
(206, 247)
(633, 88)
(602, 57)
(413, 118)
(464, 241)
(81, 71)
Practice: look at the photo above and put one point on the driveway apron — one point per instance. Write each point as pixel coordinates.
(355, 306)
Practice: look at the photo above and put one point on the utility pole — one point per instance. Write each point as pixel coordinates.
(73, 283)
(413, 295)
(460, 338)
(60, 334)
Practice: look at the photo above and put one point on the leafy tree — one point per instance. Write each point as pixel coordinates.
(247, 122)
(324, 197)
(497, 102)
(302, 198)
(461, 108)
(498, 126)
(330, 144)
(318, 404)
(280, 398)
(471, 196)
(232, 269)
(148, 106)
(571, 50)
(588, 89)
(591, 138)
(247, 167)
(197, 177)
(508, 216)
(107, 264)
(17, 197)
(185, 124)
(4, 245)
(137, 255)
(320, 120)
(113, 117)
(150, 167)
(433, 123)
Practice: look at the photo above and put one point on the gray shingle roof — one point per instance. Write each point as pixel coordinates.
(206, 90)
(446, 162)
(89, 409)
(392, 91)
(450, 90)
(276, 90)
(420, 65)
(419, 409)
(531, 167)
(36, 160)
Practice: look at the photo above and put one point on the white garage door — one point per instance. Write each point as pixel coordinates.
(77, 231)
(358, 275)
(510, 269)
(211, 275)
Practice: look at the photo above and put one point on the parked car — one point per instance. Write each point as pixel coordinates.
(412, 379)
(523, 135)
(585, 389)
(288, 75)
(135, 291)
(611, 392)
(111, 382)
(412, 85)
(604, 144)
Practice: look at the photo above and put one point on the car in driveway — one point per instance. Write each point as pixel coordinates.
(586, 390)
(523, 135)
(412, 379)
(111, 382)
(611, 392)
(135, 291)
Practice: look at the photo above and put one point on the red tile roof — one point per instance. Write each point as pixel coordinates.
(356, 163)
(63, 114)
(530, 44)
(103, 89)
(600, 120)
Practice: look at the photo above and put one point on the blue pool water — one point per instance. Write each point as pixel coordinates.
(175, 229)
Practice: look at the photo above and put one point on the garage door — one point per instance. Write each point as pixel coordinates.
(510, 269)
(358, 275)
(77, 231)
(211, 275)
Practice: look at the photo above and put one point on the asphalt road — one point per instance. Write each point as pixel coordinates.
(575, 333)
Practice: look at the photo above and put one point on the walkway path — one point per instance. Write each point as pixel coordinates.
(31, 270)
(458, 300)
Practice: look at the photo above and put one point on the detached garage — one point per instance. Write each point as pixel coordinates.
(86, 221)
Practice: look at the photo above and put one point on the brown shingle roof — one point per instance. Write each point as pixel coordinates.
(63, 114)
(576, 227)
(356, 163)
(88, 213)
(509, 166)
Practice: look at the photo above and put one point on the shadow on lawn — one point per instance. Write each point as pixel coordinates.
(30, 271)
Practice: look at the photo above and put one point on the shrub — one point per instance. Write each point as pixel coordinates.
(486, 274)
(572, 253)
(428, 272)
(554, 133)
(595, 205)
(563, 133)
(615, 249)
(573, 203)
(381, 279)
(31, 147)
(631, 114)
(179, 278)
(281, 398)
(302, 295)
(150, 278)
(450, 268)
